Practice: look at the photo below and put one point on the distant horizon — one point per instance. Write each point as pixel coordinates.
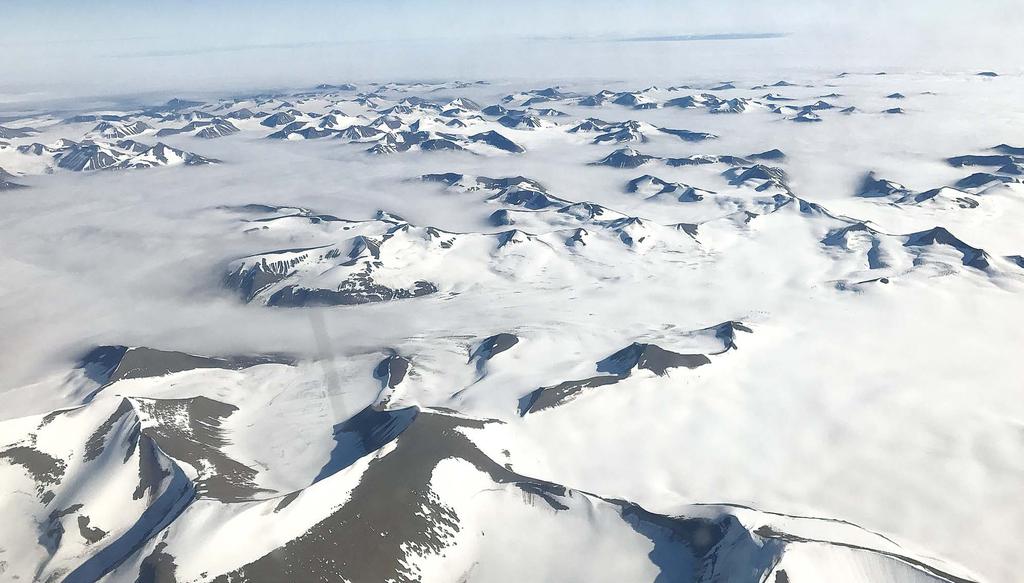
(60, 49)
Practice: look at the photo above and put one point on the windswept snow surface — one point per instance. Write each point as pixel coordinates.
(488, 332)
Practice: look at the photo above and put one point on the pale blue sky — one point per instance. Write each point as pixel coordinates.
(110, 46)
(216, 21)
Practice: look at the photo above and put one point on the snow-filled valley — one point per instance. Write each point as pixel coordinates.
(737, 330)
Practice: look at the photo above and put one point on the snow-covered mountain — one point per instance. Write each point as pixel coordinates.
(415, 489)
(118, 130)
(486, 331)
(90, 155)
(212, 128)
(7, 181)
